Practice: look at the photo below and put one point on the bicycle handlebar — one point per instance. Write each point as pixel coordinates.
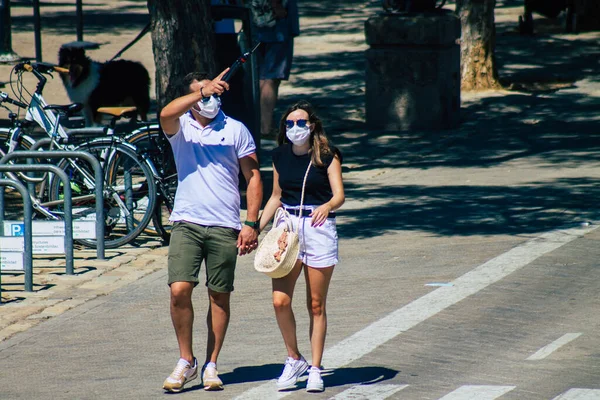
(38, 69)
(44, 68)
(4, 98)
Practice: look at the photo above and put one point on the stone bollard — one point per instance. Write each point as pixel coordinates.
(413, 71)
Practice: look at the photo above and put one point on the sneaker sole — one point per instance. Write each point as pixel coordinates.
(177, 390)
(315, 389)
(293, 384)
(213, 386)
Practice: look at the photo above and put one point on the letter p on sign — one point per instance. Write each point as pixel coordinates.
(17, 229)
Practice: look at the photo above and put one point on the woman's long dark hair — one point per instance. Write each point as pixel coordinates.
(319, 142)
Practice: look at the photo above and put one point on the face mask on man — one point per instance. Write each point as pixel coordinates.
(208, 108)
(298, 135)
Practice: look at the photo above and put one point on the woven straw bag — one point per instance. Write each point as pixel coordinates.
(265, 260)
(278, 251)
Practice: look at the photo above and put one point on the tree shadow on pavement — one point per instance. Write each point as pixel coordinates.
(472, 210)
(549, 123)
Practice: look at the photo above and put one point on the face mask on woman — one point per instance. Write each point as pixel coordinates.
(209, 108)
(298, 135)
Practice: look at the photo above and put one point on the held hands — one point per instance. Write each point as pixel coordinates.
(217, 86)
(320, 214)
(247, 240)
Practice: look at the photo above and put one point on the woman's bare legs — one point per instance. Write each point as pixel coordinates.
(283, 292)
(317, 285)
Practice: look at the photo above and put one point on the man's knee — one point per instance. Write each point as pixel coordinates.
(181, 293)
(219, 299)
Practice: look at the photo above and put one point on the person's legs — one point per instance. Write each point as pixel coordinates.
(283, 292)
(275, 66)
(221, 257)
(186, 253)
(182, 316)
(317, 286)
(217, 321)
(269, 90)
(185, 256)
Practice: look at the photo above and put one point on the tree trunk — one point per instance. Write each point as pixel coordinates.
(587, 14)
(6, 52)
(182, 42)
(478, 42)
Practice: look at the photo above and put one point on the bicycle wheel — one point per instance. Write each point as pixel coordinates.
(151, 141)
(25, 142)
(129, 191)
(13, 209)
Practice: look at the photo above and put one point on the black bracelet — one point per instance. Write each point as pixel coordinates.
(202, 94)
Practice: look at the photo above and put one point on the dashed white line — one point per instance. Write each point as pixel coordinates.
(580, 394)
(401, 320)
(368, 392)
(478, 392)
(552, 347)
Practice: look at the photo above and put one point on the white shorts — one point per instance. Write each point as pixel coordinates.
(318, 244)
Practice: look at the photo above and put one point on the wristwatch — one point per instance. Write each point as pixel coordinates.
(252, 224)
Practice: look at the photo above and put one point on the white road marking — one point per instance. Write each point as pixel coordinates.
(580, 394)
(368, 392)
(552, 347)
(478, 392)
(401, 320)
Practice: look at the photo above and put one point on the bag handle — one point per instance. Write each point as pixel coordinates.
(282, 215)
(303, 185)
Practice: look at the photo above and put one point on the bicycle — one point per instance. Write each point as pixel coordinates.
(129, 186)
(151, 144)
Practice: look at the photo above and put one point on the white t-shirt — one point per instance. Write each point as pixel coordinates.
(207, 161)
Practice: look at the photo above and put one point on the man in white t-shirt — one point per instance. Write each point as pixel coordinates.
(210, 149)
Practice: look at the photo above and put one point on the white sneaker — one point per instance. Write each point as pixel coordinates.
(210, 378)
(182, 374)
(315, 382)
(292, 370)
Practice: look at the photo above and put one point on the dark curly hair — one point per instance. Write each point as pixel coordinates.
(320, 144)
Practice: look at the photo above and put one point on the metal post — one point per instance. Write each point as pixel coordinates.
(28, 242)
(99, 189)
(6, 52)
(68, 204)
(37, 30)
(1, 207)
(128, 197)
(79, 16)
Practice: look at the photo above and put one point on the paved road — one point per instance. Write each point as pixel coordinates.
(389, 332)
(493, 213)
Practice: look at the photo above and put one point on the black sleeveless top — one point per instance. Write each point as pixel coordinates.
(291, 169)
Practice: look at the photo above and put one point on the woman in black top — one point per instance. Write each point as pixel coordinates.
(302, 140)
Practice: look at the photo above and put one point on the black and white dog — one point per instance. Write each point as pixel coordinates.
(109, 84)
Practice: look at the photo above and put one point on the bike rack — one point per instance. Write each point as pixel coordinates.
(68, 204)
(98, 178)
(39, 143)
(28, 240)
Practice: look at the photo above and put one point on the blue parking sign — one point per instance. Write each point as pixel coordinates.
(17, 229)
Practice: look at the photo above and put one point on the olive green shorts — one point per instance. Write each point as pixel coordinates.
(192, 243)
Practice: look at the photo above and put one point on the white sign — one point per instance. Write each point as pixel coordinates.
(11, 261)
(81, 229)
(41, 244)
(48, 245)
(11, 244)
